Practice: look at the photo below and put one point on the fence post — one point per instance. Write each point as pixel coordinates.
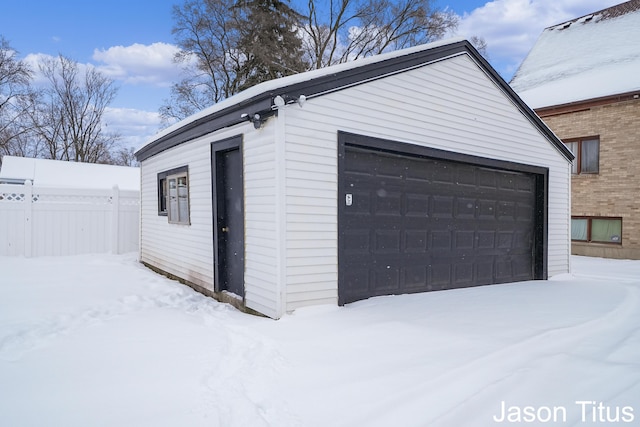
(28, 211)
(115, 220)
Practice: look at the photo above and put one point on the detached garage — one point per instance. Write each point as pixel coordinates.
(412, 171)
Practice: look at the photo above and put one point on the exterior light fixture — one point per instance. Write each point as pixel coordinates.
(256, 119)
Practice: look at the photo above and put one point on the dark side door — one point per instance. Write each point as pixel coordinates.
(228, 206)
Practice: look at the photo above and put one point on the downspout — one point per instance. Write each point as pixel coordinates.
(280, 207)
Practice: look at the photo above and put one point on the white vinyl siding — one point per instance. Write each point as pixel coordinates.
(312, 226)
(260, 216)
(160, 240)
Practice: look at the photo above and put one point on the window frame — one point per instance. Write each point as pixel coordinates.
(162, 198)
(589, 220)
(163, 179)
(577, 166)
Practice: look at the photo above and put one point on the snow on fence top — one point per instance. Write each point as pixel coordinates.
(63, 174)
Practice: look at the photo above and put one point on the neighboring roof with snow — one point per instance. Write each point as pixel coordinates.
(594, 56)
(62, 174)
(259, 99)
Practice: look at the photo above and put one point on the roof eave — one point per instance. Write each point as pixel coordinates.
(263, 102)
(586, 104)
(217, 120)
(526, 110)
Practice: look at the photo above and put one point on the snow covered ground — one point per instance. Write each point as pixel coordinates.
(102, 341)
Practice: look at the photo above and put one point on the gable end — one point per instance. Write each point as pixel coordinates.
(263, 103)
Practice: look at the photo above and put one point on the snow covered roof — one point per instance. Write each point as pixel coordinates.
(596, 55)
(275, 84)
(260, 99)
(62, 174)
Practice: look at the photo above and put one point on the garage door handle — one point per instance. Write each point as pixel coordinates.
(225, 229)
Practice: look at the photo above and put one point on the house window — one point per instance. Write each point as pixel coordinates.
(173, 195)
(162, 196)
(587, 153)
(596, 229)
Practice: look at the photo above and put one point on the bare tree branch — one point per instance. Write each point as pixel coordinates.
(15, 95)
(215, 45)
(207, 35)
(67, 118)
(356, 29)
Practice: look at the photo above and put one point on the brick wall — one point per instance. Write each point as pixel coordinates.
(615, 191)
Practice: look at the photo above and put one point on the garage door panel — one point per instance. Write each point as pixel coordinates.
(442, 172)
(506, 184)
(486, 239)
(360, 162)
(466, 177)
(523, 184)
(506, 211)
(466, 208)
(464, 274)
(523, 240)
(388, 203)
(521, 268)
(416, 205)
(487, 209)
(386, 241)
(415, 278)
(442, 207)
(484, 269)
(390, 278)
(524, 212)
(435, 225)
(504, 270)
(416, 174)
(439, 276)
(356, 282)
(386, 280)
(440, 240)
(486, 178)
(505, 240)
(357, 241)
(465, 239)
(415, 241)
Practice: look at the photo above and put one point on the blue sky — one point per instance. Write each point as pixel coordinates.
(131, 42)
(79, 28)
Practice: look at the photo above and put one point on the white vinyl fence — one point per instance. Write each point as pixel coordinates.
(41, 221)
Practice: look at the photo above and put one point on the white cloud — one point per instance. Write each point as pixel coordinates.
(140, 64)
(135, 126)
(511, 27)
(34, 60)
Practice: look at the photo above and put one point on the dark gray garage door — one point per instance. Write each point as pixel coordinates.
(414, 224)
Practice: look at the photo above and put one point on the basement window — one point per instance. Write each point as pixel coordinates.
(173, 195)
(596, 229)
(587, 155)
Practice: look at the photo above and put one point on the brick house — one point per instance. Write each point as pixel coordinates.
(582, 77)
